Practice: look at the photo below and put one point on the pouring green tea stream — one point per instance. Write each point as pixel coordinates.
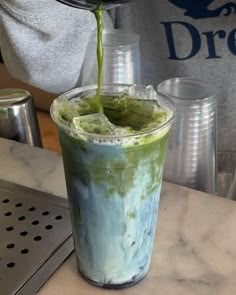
(98, 14)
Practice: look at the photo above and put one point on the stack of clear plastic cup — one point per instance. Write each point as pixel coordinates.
(226, 184)
(191, 155)
(121, 59)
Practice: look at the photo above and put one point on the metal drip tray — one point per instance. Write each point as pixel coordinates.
(35, 238)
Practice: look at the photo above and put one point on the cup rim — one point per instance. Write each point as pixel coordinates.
(177, 99)
(71, 93)
(13, 96)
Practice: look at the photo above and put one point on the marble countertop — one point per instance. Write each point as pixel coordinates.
(195, 247)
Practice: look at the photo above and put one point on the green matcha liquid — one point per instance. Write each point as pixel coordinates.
(113, 167)
(98, 14)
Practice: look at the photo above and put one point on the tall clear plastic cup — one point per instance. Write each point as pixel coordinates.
(113, 185)
(121, 61)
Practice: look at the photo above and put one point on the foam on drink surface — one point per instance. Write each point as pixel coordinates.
(126, 119)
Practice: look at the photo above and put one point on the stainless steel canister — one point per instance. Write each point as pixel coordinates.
(191, 156)
(18, 119)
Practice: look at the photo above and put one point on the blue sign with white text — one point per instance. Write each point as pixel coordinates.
(199, 10)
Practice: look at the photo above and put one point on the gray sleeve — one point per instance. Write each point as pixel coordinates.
(43, 42)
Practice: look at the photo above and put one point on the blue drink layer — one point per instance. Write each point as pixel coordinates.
(114, 192)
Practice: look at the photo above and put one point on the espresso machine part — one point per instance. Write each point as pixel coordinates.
(18, 119)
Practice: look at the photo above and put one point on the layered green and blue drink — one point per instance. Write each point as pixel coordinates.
(113, 165)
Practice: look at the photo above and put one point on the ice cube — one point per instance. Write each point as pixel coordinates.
(132, 90)
(141, 107)
(136, 91)
(84, 108)
(151, 93)
(147, 93)
(94, 123)
(66, 111)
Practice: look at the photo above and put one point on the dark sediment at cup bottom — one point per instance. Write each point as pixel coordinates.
(113, 286)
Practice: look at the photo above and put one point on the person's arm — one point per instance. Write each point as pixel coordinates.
(43, 42)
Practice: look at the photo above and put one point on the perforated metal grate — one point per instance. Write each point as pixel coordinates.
(35, 237)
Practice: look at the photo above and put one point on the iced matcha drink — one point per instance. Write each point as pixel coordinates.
(113, 167)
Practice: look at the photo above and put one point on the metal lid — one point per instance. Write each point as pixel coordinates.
(12, 96)
(93, 4)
